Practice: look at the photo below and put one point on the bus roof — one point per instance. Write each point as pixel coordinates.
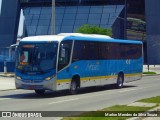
(85, 35)
(76, 36)
(42, 38)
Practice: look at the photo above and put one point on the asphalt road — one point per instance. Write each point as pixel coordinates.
(88, 99)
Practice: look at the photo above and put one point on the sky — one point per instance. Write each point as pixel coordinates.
(21, 24)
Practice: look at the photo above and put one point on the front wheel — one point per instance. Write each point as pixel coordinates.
(73, 87)
(40, 92)
(120, 81)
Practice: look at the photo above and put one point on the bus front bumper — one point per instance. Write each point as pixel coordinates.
(45, 85)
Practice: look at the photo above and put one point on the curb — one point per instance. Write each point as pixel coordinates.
(6, 75)
(8, 89)
(150, 75)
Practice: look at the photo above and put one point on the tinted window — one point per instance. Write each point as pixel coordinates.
(78, 52)
(91, 51)
(87, 50)
(109, 50)
(130, 51)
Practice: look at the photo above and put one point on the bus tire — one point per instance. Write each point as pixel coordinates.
(40, 92)
(120, 81)
(74, 85)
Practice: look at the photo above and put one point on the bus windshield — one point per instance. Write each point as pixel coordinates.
(36, 57)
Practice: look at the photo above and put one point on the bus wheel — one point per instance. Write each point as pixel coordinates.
(73, 87)
(120, 81)
(40, 92)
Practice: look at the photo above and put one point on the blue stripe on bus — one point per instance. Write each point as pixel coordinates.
(102, 39)
(92, 68)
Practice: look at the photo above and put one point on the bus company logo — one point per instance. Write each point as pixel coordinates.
(6, 114)
(93, 67)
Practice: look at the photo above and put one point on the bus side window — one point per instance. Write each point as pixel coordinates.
(78, 52)
(64, 54)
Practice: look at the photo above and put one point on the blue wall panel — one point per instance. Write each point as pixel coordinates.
(83, 9)
(9, 20)
(153, 31)
(69, 18)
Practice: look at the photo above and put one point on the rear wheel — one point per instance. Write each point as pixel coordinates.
(40, 92)
(120, 81)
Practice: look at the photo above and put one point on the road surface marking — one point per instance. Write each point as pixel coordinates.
(68, 100)
(109, 92)
(5, 99)
(88, 95)
(127, 90)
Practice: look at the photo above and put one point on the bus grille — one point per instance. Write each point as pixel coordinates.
(32, 81)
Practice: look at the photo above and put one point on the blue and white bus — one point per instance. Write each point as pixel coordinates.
(73, 60)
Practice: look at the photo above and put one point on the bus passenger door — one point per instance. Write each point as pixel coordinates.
(63, 76)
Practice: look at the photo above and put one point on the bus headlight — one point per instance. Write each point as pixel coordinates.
(49, 78)
(18, 78)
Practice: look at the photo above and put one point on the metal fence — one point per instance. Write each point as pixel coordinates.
(7, 54)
